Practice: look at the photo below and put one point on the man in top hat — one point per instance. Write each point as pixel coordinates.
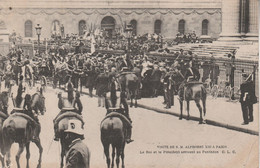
(78, 155)
(247, 98)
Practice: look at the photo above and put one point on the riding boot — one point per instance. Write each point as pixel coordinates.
(36, 132)
(99, 101)
(56, 133)
(128, 135)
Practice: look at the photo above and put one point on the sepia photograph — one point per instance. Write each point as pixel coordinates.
(129, 83)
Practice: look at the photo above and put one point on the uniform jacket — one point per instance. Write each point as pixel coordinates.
(248, 92)
(78, 155)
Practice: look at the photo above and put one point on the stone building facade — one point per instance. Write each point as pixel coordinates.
(149, 16)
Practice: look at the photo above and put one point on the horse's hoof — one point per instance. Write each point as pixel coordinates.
(202, 122)
(180, 118)
(188, 118)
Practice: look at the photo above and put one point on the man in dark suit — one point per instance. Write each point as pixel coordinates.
(247, 98)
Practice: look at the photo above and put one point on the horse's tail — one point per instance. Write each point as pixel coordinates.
(203, 93)
(9, 131)
(110, 124)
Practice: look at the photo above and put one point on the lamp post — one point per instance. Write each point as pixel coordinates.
(38, 32)
(129, 31)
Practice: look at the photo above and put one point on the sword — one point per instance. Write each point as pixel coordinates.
(50, 145)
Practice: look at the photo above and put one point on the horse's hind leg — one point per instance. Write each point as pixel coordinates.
(106, 151)
(188, 110)
(181, 108)
(113, 155)
(27, 154)
(38, 144)
(200, 109)
(204, 106)
(136, 94)
(62, 154)
(123, 155)
(20, 151)
(118, 153)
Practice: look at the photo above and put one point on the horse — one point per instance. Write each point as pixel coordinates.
(129, 83)
(190, 91)
(62, 125)
(113, 133)
(61, 76)
(3, 115)
(21, 128)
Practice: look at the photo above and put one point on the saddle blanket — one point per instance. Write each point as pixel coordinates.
(24, 116)
(68, 114)
(121, 116)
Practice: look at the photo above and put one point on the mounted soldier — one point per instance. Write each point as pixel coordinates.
(126, 64)
(191, 74)
(74, 108)
(116, 105)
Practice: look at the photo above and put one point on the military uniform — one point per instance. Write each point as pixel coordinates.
(77, 155)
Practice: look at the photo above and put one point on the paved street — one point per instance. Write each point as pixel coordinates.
(152, 132)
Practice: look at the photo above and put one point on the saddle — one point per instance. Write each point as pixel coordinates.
(190, 83)
(123, 118)
(21, 114)
(68, 114)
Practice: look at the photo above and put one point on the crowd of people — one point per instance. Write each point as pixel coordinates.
(187, 38)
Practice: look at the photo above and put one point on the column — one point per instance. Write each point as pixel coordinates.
(230, 21)
(252, 34)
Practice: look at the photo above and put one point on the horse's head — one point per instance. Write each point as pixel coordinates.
(38, 102)
(4, 101)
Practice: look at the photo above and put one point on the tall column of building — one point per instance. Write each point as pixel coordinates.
(230, 21)
(252, 34)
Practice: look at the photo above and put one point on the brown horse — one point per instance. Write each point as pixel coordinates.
(21, 128)
(62, 125)
(3, 115)
(193, 91)
(130, 84)
(112, 133)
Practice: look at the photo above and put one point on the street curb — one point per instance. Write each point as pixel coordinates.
(209, 122)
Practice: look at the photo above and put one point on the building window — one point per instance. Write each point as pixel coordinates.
(157, 26)
(28, 28)
(56, 28)
(82, 27)
(181, 27)
(134, 26)
(205, 24)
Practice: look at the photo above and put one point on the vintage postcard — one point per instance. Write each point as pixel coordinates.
(129, 83)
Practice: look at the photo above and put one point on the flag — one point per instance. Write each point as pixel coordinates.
(93, 42)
